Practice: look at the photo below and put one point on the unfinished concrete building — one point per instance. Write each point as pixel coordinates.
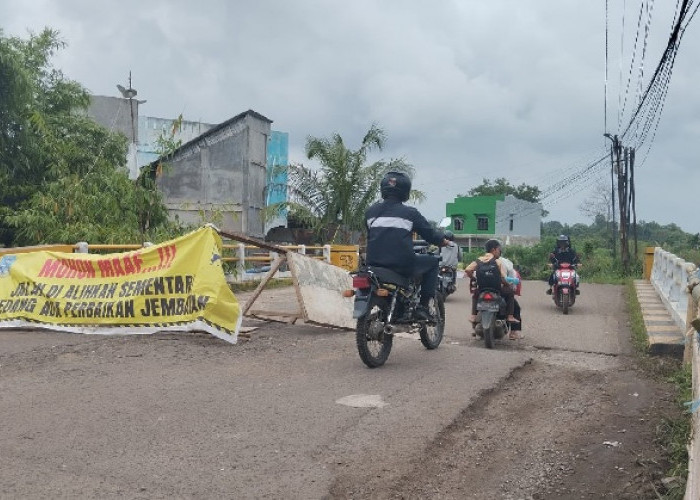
(221, 175)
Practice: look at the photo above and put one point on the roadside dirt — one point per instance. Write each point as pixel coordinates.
(566, 426)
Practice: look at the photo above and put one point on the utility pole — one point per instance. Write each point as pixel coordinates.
(633, 202)
(622, 197)
(622, 167)
(613, 149)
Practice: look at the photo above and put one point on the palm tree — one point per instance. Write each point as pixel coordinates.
(333, 199)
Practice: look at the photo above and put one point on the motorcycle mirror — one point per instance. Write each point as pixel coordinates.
(445, 222)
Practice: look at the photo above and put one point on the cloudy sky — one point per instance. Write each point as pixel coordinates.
(465, 89)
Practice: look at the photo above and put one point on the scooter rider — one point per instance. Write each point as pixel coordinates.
(562, 253)
(390, 226)
(451, 254)
(493, 251)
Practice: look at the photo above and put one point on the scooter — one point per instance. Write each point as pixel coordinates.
(491, 317)
(447, 280)
(565, 288)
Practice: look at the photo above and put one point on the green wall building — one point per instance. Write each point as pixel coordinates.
(499, 216)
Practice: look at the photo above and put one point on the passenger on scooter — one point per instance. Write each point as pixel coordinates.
(390, 228)
(515, 280)
(562, 253)
(451, 254)
(493, 251)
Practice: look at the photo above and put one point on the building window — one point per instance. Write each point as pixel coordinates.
(482, 223)
(458, 223)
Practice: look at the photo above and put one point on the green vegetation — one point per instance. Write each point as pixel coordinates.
(502, 186)
(597, 264)
(62, 176)
(593, 244)
(599, 234)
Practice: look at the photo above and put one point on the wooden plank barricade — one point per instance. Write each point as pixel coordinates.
(318, 287)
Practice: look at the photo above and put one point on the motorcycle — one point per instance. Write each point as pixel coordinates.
(491, 317)
(447, 280)
(386, 303)
(565, 288)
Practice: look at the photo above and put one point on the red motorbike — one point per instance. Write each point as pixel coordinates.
(565, 288)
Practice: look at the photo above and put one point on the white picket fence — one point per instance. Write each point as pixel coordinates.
(678, 284)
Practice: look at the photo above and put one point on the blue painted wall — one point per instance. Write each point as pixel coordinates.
(277, 155)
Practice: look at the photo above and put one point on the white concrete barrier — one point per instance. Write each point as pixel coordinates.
(669, 276)
(692, 489)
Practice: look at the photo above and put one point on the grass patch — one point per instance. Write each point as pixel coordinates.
(673, 433)
(639, 331)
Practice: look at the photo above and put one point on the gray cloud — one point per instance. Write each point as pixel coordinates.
(464, 89)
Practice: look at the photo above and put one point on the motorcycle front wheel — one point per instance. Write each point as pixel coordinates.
(431, 333)
(565, 303)
(373, 344)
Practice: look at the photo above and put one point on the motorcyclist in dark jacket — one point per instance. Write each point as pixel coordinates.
(562, 253)
(390, 228)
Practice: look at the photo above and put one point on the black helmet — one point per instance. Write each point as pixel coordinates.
(563, 239)
(491, 244)
(397, 185)
(449, 235)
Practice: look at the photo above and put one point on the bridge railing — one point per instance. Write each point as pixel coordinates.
(669, 276)
(250, 261)
(678, 284)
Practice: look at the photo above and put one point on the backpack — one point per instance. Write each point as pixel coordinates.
(488, 275)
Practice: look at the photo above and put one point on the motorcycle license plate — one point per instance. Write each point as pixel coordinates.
(487, 306)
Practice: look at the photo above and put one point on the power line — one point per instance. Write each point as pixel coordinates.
(634, 58)
(605, 97)
(666, 60)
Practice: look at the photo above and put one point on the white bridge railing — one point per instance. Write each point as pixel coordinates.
(678, 284)
(669, 276)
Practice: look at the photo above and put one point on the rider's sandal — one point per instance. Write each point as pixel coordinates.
(515, 335)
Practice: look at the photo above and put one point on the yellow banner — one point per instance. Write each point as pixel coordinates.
(178, 285)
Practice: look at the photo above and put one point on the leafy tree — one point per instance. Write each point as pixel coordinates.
(502, 186)
(62, 176)
(333, 199)
(523, 192)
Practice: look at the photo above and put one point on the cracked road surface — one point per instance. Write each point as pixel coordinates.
(293, 413)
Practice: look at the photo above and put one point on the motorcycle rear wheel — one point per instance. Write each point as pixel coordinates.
(431, 336)
(490, 334)
(565, 303)
(373, 344)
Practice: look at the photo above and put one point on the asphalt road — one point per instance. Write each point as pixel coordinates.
(279, 416)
